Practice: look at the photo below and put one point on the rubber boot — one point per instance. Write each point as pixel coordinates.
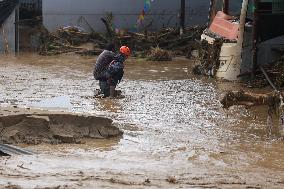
(104, 89)
(112, 91)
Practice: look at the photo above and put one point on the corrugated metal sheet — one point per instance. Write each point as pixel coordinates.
(6, 8)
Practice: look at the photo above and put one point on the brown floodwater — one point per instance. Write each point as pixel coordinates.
(176, 134)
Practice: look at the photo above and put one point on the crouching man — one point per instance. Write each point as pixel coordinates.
(113, 73)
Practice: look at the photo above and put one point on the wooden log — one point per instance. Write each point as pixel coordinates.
(250, 99)
(137, 34)
(108, 28)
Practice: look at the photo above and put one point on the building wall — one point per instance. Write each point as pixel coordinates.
(31, 4)
(163, 13)
(9, 30)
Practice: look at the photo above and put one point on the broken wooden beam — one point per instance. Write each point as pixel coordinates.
(108, 28)
(250, 99)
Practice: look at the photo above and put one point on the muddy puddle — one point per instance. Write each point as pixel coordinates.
(176, 134)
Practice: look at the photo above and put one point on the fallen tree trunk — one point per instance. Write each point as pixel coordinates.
(108, 28)
(250, 99)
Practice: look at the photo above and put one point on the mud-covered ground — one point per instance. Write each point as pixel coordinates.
(176, 135)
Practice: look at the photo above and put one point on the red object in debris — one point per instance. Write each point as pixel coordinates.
(222, 26)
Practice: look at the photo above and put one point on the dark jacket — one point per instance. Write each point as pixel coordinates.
(102, 63)
(115, 70)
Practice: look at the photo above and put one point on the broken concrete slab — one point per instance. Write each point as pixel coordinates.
(53, 127)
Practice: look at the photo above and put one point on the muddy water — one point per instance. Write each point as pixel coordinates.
(176, 135)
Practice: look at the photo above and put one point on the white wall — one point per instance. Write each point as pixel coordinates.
(57, 13)
(9, 28)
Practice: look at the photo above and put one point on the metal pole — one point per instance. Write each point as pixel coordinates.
(182, 17)
(226, 6)
(17, 36)
(242, 25)
(210, 13)
(268, 79)
(254, 39)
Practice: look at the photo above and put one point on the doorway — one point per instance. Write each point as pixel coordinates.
(30, 23)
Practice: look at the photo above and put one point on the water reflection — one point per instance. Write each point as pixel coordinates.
(108, 105)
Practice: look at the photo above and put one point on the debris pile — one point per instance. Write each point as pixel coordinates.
(167, 39)
(73, 35)
(250, 99)
(68, 39)
(274, 71)
(208, 57)
(272, 99)
(158, 54)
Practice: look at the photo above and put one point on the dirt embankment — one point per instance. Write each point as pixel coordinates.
(54, 128)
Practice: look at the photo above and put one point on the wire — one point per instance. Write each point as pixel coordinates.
(268, 79)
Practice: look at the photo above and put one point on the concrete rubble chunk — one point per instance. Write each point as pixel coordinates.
(54, 128)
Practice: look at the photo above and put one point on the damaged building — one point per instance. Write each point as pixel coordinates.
(18, 19)
(22, 21)
(250, 39)
(8, 17)
(22, 18)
